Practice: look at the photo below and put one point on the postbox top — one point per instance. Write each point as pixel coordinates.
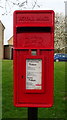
(33, 11)
(35, 27)
(34, 18)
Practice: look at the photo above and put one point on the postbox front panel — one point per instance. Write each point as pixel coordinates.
(33, 58)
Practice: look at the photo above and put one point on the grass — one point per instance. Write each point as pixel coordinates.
(0, 88)
(57, 111)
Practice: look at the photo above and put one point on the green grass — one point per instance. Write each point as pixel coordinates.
(57, 111)
(0, 88)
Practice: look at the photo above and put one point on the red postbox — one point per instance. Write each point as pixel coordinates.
(33, 58)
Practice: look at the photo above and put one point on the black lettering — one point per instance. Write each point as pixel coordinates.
(32, 64)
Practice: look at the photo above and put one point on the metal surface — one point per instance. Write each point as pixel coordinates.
(32, 113)
(33, 31)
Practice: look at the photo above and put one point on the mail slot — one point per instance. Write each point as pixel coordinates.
(33, 58)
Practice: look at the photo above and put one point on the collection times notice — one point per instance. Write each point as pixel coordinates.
(33, 74)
